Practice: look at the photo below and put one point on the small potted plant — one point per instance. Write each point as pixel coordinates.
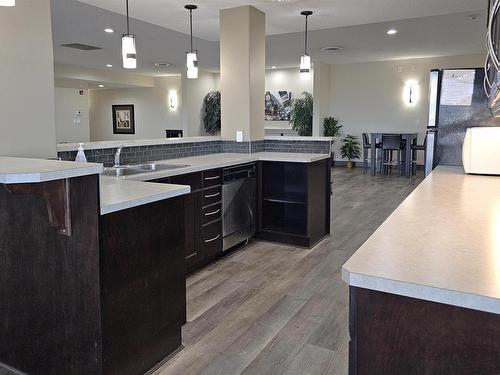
(350, 149)
(331, 128)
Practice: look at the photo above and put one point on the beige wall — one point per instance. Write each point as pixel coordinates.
(151, 105)
(27, 80)
(242, 67)
(286, 79)
(193, 93)
(69, 126)
(369, 96)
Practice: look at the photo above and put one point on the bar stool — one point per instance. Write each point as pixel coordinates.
(391, 143)
(366, 151)
(415, 148)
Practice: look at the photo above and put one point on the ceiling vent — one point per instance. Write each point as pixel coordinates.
(80, 46)
(332, 49)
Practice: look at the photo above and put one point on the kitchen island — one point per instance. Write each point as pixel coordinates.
(92, 269)
(425, 287)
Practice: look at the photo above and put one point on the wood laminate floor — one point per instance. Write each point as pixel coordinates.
(275, 309)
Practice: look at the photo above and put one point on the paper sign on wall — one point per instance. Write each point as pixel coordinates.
(458, 87)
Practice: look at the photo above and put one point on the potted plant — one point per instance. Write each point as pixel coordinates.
(350, 149)
(331, 127)
(211, 112)
(301, 114)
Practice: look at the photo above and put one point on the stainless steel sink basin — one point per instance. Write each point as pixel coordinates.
(159, 166)
(122, 171)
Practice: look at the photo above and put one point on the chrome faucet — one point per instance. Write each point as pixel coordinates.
(117, 156)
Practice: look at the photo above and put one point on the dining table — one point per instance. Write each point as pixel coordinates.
(376, 137)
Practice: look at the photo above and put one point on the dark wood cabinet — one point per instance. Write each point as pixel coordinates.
(143, 289)
(294, 202)
(203, 220)
(394, 335)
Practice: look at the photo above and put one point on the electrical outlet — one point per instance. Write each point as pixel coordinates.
(239, 135)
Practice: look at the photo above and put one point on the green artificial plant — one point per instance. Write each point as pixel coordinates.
(331, 127)
(301, 115)
(350, 149)
(211, 112)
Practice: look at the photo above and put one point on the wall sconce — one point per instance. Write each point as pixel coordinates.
(173, 101)
(411, 93)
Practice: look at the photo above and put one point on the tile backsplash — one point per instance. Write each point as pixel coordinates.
(139, 154)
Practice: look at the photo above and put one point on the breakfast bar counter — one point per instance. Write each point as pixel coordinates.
(420, 283)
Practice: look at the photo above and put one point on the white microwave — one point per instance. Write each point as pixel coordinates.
(481, 151)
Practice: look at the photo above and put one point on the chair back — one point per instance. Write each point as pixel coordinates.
(366, 143)
(391, 141)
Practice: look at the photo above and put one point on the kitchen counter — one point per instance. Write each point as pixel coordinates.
(118, 194)
(211, 161)
(442, 244)
(25, 170)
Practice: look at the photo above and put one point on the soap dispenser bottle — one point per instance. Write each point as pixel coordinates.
(80, 156)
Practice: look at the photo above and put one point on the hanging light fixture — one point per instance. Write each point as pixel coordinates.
(192, 55)
(128, 46)
(305, 59)
(7, 3)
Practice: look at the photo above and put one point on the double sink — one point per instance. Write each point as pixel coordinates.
(128, 170)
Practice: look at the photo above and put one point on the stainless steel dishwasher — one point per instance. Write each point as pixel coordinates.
(239, 191)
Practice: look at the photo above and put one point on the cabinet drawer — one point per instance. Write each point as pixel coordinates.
(211, 213)
(211, 239)
(212, 195)
(191, 179)
(212, 177)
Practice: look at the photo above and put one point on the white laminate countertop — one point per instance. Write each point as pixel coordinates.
(211, 161)
(25, 170)
(118, 194)
(441, 244)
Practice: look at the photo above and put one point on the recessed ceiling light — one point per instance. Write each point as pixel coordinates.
(392, 32)
(109, 30)
(273, 67)
(109, 65)
(101, 86)
(332, 48)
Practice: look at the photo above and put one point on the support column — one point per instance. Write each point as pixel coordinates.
(27, 80)
(242, 72)
(321, 94)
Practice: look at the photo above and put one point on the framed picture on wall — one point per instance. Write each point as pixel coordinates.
(123, 119)
(278, 105)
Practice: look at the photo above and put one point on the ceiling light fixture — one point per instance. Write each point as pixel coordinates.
(332, 48)
(109, 30)
(192, 55)
(129, 54)
(101, 86)
(273, 67)
(392, 32)
(109, 65)
(7, 3)
(305, 59)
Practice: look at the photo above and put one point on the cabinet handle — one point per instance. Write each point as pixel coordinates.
(192, 255)
(212, 213)
(212, 239)
(212, 178)
(212, 195)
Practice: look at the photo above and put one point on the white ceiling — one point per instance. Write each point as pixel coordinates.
(284, 16)
(442, 35)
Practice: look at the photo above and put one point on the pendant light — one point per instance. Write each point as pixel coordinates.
(305, 59)
(7, 3)
(128, 46)
(192, 55)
